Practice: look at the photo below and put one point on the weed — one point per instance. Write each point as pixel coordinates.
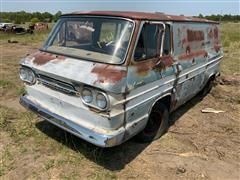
(5, 83)
(99, 174)
(21, 91)
(3, 119)
(6, 163)
(49, 164)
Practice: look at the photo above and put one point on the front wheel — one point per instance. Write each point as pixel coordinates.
(157, 124)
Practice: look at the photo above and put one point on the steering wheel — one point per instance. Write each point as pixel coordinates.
(110, 43)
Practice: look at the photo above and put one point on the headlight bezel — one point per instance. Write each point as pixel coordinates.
(29, 73)
(94, 104)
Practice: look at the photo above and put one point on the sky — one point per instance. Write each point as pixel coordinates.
(176, 7)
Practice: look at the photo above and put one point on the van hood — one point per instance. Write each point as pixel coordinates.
(107, 77)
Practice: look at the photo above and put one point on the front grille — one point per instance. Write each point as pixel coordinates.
(57, 85)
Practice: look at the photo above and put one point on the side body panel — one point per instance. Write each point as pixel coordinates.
(195, 57)
(196, 46)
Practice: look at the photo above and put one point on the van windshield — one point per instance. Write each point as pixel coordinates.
(92, 38)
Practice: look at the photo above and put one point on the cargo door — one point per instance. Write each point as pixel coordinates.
(191, 55)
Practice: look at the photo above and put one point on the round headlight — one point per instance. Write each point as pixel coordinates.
(87, 95)
(31, 77)
(23, 74)
(101, 101)
(27, 75)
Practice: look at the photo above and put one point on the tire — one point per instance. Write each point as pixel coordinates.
(207, 88)
(156, 126)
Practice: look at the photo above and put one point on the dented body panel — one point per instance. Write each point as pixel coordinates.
(132, 88)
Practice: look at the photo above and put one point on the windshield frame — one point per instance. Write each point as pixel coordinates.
(56, 28)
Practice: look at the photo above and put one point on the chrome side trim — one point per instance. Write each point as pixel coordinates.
(171, 80)
(156, 95)
(199, 67)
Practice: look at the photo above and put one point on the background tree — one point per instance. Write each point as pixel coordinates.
(34, 20)
(56, 16)
(22, 17)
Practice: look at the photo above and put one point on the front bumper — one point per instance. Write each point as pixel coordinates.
(109, 139)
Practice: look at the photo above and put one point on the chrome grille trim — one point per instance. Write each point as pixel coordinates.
(57, 85)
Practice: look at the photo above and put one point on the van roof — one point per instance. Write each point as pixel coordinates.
(143, 16)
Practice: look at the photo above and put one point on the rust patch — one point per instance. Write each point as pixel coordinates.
(184, 40)
(143, 16)
(192, 55)
(44, 57)
(217, 47)
(193, 35)
(215, 33)
(108, 73)
(143, 67)
(210, 34)
(188, 50)
(167, 61)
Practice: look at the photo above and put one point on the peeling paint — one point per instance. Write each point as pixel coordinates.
(215, 33)
(195, 35)
(108, 73)
(167, 61)
(41, 58)
(193, 54)
(143, 67)
(217, 47)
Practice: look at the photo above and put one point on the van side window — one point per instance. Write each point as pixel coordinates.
(147, 43)
(167, 41)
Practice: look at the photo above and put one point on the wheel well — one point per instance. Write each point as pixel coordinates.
(212, 77)
(165, 100)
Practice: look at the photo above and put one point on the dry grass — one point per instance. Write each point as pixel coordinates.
(34, 149)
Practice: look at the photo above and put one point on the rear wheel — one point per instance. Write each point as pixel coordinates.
(208, 87)
(157, 124)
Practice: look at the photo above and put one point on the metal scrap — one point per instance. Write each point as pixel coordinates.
(211, 110)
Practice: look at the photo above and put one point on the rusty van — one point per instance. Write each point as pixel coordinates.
(106, 76)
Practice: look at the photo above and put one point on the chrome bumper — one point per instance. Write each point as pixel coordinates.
(109, 139)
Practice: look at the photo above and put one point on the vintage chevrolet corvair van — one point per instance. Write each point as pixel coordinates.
(107, 76)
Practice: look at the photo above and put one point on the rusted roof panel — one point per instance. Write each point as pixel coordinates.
(142, 16)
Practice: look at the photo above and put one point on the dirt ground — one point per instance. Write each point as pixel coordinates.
(197, 146)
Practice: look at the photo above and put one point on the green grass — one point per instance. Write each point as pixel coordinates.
(20, 91)
(67, 151)
(36, 37)
(230, 35)
(6, 163)
(5, 83)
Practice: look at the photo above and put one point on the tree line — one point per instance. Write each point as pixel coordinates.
(219, 17)
(23, 17)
